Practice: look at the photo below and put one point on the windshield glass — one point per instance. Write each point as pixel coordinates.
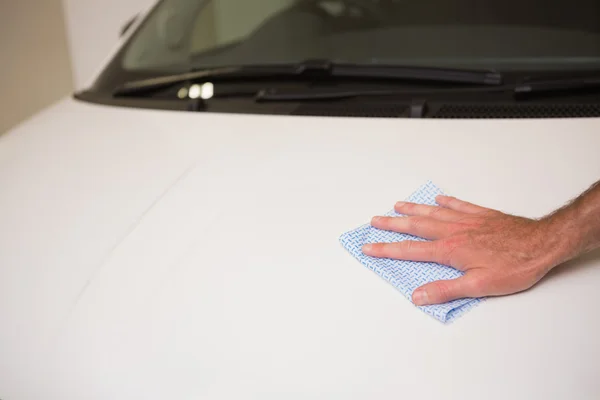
(180, 35)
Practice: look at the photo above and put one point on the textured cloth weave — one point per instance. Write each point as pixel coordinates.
(406, 276)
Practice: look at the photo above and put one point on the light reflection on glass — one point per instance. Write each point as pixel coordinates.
(195, 91)
(208, 91)
(182, 93)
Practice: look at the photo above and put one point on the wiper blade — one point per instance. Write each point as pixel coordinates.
(313, 70)
(316, 94)
(556, 86)
(419, 74)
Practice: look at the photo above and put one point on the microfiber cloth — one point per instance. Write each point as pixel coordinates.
(406, 276)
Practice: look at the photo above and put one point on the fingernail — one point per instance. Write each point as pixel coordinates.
(375, 219)
(400, 203)
(420, 298)
(366, 248)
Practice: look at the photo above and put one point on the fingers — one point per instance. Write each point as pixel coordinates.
(424, 227)
(406, 250)
(440, 292)
(459, 205)
(440, 213)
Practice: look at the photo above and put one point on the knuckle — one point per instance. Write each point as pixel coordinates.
(454, 228)
(407, 207)
(478, 285)
(390, 249)
(486, 213)
(414, 223)
(443, 291)
(452, 204)
(406, 245)
(494, 213)
(435, 211)
(444, 252)
(471, 222)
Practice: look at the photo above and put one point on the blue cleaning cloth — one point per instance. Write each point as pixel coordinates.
(406, 276)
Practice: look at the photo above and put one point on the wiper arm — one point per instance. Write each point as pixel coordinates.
(556, 86)
(312, 70)
(164, 82)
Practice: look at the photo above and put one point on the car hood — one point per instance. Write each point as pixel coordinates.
(154, 254)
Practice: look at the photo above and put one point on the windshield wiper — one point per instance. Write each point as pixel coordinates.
(313, 70)
(521, 90)
(556, 86)
(315, 94)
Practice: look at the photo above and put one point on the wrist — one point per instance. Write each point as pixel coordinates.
(563, 238)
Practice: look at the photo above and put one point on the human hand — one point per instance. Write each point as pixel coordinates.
(499, 253)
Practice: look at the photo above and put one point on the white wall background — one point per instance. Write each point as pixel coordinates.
(93, 28)
(35, 70)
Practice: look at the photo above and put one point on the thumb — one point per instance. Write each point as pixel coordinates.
(444, 291)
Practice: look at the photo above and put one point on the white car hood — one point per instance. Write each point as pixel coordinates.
(149, 254)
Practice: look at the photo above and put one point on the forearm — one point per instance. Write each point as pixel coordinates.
(577, 225)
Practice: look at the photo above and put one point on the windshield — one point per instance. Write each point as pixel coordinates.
(393, 58)
(523, 35)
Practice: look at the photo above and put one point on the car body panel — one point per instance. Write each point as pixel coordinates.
(162, 254)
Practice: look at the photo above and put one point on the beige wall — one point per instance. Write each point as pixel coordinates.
(35, 69)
